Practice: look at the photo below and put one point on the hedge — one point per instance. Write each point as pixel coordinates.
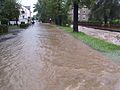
(4, 21)
(3, 29)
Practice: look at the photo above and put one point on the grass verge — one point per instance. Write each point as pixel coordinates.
(95, 43)
(13, 27)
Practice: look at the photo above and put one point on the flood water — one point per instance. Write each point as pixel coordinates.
(45, 58)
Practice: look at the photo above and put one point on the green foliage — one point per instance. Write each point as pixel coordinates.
(57, 10)
(106, 10)
(4, 21)
(95, 43)
(3, 28)
(117, 21)
(9, 9)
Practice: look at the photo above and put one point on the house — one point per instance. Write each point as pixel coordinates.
(25, 14)
(83, 14)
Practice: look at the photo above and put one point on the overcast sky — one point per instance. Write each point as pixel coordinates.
(29, 3)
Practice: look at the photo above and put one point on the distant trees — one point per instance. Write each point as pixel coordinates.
(57, 10)
(106, 10)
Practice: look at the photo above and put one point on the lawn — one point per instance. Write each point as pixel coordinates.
(14, 27)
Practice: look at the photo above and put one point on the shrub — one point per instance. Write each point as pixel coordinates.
(117, 21)
(4, 21)
(23, 25)
(3, 28)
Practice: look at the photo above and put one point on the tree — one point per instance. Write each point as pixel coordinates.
(75, 17)
(57, 10)
(76, 5)
(10, 9)
(105, 10)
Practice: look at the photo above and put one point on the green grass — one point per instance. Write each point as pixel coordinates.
(13, 27)
(93, 42)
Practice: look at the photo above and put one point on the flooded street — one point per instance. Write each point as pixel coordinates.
(45, 58)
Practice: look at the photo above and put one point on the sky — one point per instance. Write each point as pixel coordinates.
(29, 3)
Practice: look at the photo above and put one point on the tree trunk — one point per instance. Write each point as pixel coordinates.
(17, 21)
(75, 17)
(105, 17)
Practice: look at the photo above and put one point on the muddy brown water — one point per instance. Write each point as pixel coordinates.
(45, 58)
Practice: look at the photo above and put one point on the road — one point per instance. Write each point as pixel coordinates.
(43, 57)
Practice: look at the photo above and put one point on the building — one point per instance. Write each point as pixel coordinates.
(83, 14)
(25, 14)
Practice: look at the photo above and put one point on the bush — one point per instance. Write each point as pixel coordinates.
(23, 25)
(117, 21)
(3, 29)
(4, 21)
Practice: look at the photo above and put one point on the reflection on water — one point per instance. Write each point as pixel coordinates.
(43, 58)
